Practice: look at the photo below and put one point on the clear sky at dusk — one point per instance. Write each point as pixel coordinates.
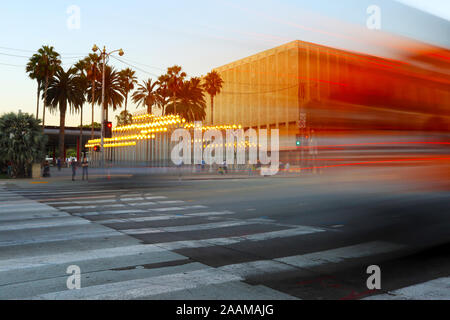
(197, 34)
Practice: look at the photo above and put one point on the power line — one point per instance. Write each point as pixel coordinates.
(137, 68)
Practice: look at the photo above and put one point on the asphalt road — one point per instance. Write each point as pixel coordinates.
(308, 236)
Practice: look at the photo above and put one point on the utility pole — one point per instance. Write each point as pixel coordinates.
(104, 55)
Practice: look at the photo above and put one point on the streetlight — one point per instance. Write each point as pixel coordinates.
(104, 55)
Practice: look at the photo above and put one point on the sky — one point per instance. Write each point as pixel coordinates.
(199, 35)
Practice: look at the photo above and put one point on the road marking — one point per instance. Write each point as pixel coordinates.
(256, 268)
(340, 254)
(298, 231)
(177, 208)
(112, 212)
(93, 207)
(195, 227)
(438, 289)
(164, 217)
(36, 223)
(67, 257)
(147, 287)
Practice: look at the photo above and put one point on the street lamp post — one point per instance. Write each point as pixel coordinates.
(104, 55)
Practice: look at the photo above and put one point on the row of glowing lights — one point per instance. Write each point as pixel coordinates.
(227, 127)
(113, 145)
(158, 122)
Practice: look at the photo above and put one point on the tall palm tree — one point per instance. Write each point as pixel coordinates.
(34, 72)
(114, 93)
(163, 93)
(128, 79)
(47, 62)
(213, 85)
(81, 68)
(190, 104)
(146, 95)
(89, 67)
(175, 82)
(65, 90)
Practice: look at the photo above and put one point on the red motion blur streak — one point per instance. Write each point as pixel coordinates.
(375, 143)
(375, 162)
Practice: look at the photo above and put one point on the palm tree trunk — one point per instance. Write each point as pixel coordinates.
(212, 110)
(45, 101)
(93, 104)
(62, 124)
(126, 101)
(174, 104)
(149, 109)
(38, 96)
(81, 133)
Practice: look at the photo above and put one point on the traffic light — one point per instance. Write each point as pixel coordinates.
(96, 148)
(298, 140)
(108, 129)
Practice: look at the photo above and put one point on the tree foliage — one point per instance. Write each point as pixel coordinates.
(21, 142)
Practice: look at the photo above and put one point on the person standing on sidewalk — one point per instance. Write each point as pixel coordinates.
(74, 168)
(85, 166)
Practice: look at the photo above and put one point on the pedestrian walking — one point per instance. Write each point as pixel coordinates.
(85, 166)
(58, 163)
(74, 169)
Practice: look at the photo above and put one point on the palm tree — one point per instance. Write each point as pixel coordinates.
(128, 80)
(163, 93)
(114, 93)
(174, 83)
(213, 85)
(65, 90)
(81, 68)
(146, 95)
(190, 104)
(124, 118)
(46, 62)
(34, 72)
(89, 67)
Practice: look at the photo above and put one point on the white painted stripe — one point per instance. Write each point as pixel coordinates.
(30, 192)
(67, 257)
(340, 254)
(112, 212)
(132, 199)
(147, 287)
(438, 289)
(59, 237)
(165, 217)
(300, 230)
(93, 207)
(155, 197)
(62, 204)
(170, 202)
(195, 227)
(178, 208)
(256, 268)
(47, 223)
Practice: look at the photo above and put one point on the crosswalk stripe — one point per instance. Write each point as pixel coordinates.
(42, 223)
(196, 227)
(146, 287)
(67, 257)
(165, 217)
(437, 289)
(340, 254)
(76, 235)
(119, 205)
(186, 244)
